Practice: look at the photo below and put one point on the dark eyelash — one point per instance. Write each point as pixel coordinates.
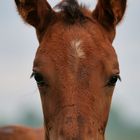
(111, 81)
(119, 77)
(32, 75)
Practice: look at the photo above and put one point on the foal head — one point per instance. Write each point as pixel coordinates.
(75, 67)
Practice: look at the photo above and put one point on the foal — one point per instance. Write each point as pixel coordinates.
(75, 67)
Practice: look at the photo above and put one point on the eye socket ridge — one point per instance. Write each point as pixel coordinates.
(113, 79)
(38, 78)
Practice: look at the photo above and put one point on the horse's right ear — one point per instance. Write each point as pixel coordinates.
(34, 12)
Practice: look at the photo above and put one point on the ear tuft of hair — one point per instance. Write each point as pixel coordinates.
(72, 10)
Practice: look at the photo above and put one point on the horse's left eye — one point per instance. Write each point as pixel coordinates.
(39, 78)
(113, 79)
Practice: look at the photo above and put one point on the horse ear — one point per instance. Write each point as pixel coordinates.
(110, 12)
(34, 12)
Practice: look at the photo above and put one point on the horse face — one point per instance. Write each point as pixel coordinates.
(75, 67)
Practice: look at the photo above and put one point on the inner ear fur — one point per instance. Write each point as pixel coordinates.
(34, 12)
(110, 12)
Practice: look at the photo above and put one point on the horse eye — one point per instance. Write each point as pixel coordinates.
(113, 79)
(38, 77)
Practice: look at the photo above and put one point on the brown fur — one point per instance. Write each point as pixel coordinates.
(75, 91)
(21, 133)
(110, 12)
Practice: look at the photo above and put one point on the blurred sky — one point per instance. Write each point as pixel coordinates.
(18, 45)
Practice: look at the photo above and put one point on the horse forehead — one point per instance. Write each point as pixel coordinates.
(76, 45)
(72, 49)
(76, 49)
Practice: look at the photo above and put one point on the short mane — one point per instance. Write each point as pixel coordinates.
(72, 11)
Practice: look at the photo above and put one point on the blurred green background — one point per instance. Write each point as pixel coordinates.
(116, 128)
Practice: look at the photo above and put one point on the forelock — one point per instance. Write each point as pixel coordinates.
(72, 10)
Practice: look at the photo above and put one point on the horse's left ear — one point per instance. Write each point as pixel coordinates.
(34, 12)
(110, 12)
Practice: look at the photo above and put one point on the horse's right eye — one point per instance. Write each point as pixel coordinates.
(39, 78)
